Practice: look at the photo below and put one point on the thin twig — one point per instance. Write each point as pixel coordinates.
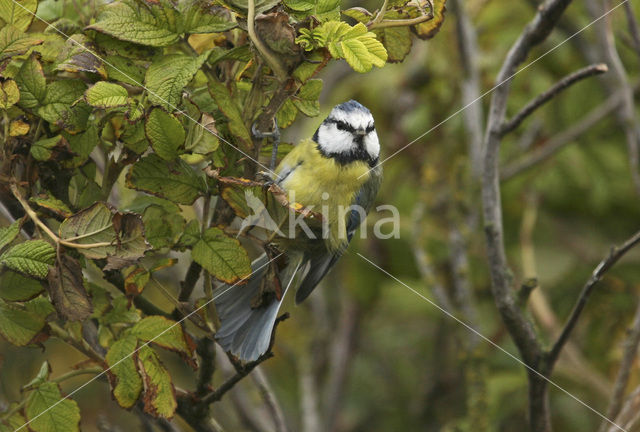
(552, 92)
(271, 401)
(564, 138)
(630, 352)
(383, 10)
(606, 264)
(634, 31)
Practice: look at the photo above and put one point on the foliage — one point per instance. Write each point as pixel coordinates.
(114, 124)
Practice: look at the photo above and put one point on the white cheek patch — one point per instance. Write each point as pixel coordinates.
(333, 140)
(372, 144)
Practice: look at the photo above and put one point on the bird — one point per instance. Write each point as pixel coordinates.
(338, 168)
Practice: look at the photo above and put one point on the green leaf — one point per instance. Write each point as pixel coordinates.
(167, 77)
(66, 288)
(175, 181)
(221, 256)
(9, 234)
(323, 10)
(13, 42)
(61, 94)
(397, 41)
(52, 204)
(49, 411)
(126, 70)
(81, 144)
(106, 95)
(202, 137)
(20, 324)
(199, 16)
(147, 23)
(43, 150)
(18, 13)
(160, 397)
(162, 227)
(134, 138)
(32, 258)
(165, 132)
(228, 106)
(136, 281)
(119, 237)
(191, 235)
(286, 114)
(121, 312)
(126, 383)
(307, 98)
(428, 29)
(14, 422)
(163, 332)
(16, 287)
(9, 94)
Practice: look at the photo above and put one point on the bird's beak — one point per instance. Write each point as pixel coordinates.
(361, 132)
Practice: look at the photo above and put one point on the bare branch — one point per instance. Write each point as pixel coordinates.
(630, 352)
(552, 92)
(519, 326)
(271, 59)
(269, 397)
(608, 262)
(634, 31)
(564, 138)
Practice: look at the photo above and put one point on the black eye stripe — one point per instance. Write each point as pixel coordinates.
(370, 128)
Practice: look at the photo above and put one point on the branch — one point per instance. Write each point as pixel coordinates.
(269, 397)
(269, 56)
(379, 23)
(633, 27)
(606, 264)
(537, 102)
(630, 352)
(519, 326)
(190, 279)
(228, 385)
(558, 142)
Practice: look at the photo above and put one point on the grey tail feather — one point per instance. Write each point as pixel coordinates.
(318, 267)
(246, 331)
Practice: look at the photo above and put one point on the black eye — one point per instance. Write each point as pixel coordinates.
(341, 125)
(370, 128)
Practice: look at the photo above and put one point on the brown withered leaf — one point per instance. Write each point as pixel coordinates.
(66, 288)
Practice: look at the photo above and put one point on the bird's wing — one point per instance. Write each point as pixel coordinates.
(319, 265)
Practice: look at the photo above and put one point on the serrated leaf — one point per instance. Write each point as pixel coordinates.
(121, 312)
(9, 234)
(167, 77)
(13, 42)
(323, 10)
(359, 14)
(106, 95)
(397, 41)
(191, 234)
(56, 107)
(126, 383)
(126, 70)
(16, 287)
(18, 13)
(165, 132)
(162, 227)
(81, 145)
(135, 281)
(228, 106)
(31, 82)
(66, 288)
(163, 332)
(134, 138)
(221, 256)
(202, 138)
(119, 237)
(9, 94)
(286, 114)
(20, 324)
(13, 422)
(49, 148)
(32, 258)
(199, 16)
(49, 411)
(159, 394)
(150, 23)
(175, 181)
(307, 98)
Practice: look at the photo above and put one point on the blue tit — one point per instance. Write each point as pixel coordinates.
(337, 169)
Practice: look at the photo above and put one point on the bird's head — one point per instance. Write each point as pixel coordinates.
(348, 134)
